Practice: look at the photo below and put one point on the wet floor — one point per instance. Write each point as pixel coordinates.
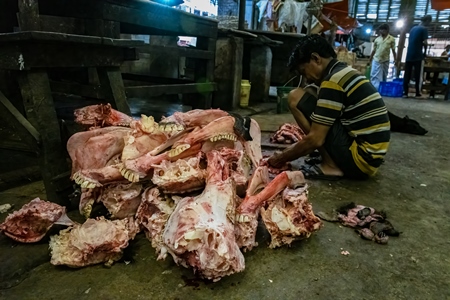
(413, 187)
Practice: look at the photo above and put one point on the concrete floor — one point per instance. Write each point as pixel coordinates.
(415, 265)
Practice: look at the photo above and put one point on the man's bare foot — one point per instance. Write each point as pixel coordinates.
(315, 172)
(330, 170)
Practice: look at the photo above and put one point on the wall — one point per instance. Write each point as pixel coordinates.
(228, 8)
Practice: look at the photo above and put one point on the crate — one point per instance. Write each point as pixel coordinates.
(391, 89)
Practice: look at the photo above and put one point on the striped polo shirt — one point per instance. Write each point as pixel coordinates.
(348, 97)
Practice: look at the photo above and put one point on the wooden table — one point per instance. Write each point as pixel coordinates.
(435, 67)
(31, 55)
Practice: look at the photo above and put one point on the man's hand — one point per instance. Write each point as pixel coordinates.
(276, 160)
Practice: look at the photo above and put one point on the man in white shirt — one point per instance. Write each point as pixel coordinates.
(379, 58)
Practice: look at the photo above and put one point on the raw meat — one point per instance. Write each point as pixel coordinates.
(152, 215)
(193, 118)
(96, 148)
(200, 232)
(287, 134)
(33, 220)
(95, 241)
(121, 200)
(101, 115)
(180, 176)
(246, 231)
(145, 137)
(369, 223)
(288, 218)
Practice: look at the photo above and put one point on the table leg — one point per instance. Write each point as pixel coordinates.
(40, 112)
(112, 85)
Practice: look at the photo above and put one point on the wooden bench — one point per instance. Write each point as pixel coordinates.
(30, 55)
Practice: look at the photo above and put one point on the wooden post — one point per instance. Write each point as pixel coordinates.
(204, 72)
(28, 15)
(112, 85)
(38, 102)
(407, 9)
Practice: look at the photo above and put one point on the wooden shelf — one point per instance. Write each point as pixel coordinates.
(169, 89)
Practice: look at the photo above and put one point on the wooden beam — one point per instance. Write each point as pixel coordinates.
(154, 79)
(16, 120)
(28, 15)
(112, 84)
(180, 51)
(136, 17)
(90, 91)
(170, 89)
(38, 102)
(36, 55)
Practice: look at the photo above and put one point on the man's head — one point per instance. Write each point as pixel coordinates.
(426, 20)
(447, 48)
(383, 30)
(310, 57)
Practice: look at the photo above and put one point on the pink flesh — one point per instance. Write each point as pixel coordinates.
(199, 233)
(96, 148)
(221, 125)
(101, 115)
(196, 117)
(278, 184)
(32, 221)
(253, 148)
(144, 164)
(104, 175)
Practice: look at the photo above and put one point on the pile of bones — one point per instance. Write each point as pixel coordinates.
(195, 183)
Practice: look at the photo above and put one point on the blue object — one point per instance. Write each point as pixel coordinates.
(417, 36)
(391, 89)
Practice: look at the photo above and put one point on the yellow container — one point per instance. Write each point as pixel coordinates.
(245, 92)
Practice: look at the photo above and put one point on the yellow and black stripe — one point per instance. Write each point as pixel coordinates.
(348, 97)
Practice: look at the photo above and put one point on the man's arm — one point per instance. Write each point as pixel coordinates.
(314, 139)
(373, 52)
(425, 43)
(393, 51)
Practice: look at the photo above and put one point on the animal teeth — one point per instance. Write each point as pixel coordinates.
(85, 184)
(91, 185)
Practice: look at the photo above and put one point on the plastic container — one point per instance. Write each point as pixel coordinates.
(391, 89)
(245, 92)
(282, 99)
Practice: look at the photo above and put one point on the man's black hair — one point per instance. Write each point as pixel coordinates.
(306, 46)
(384, 27)
(426, 19)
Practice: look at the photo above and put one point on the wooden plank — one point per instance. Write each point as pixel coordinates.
(180, 51)
(22, 126)
(135, 16)
(62, 25)
(36, 55)
(39, 107)
(90, 91)
(145, 14)
(28, 15)
(112, 84)
(19, 177)
(15, 145)
(66, 38)
(170, 89)
(153, 79)
(204, 72)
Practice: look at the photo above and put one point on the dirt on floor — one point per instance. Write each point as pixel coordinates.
(413, 187)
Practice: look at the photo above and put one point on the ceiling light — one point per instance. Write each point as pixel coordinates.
(399, 24)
